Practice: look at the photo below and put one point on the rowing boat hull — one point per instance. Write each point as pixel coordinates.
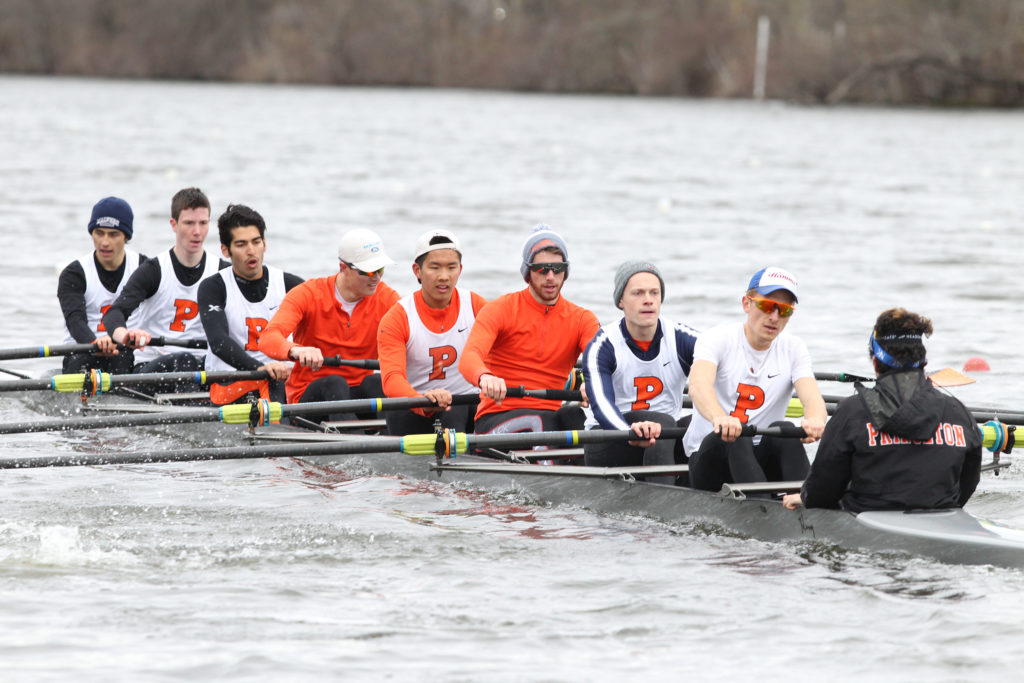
(953, 536)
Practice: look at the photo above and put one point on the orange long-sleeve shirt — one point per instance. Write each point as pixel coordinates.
(393, 336)
(526, 343)
(313, 316)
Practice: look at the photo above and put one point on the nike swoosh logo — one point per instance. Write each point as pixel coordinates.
(666, 363)
(775, 375)
(463, 329)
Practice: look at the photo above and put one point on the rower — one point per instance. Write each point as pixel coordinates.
(901, 444)
(236, 304)
(531, 338)
(334, 315)
(162, 292)
(420, 340)
(744, 374)
(634, 371)
(88, 286)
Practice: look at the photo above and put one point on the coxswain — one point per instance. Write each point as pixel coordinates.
(88, 286)
(744, 373)
(421, 339)
(634, 372)
(900, 444)
(162, 293)
(529, 338)
(236, 304)
(337, 315)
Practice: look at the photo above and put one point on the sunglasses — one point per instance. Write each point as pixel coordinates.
(769, 306)
(379, 271)
(558, 267)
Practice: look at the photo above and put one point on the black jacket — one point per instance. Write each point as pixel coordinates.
(900, 445)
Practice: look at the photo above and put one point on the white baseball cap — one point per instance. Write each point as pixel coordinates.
(770, 279)
(432, 240)
(364, 250)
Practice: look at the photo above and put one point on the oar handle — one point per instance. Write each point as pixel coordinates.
(547, 394)
(182, 343)
(366, 363)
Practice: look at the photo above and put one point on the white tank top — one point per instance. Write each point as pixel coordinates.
(246, 319)
(172, 311)
(430, 357)
(655, 384)
(97, 297)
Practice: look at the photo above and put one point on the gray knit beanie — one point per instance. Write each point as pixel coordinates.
(541, 237)
(628, 270)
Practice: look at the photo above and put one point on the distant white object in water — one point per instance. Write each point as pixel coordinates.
(761, 65)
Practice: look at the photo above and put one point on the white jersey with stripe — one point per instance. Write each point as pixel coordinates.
(655, 384)
(173, 312)
(431, 358)
(754, 386)
(97, 297)
(246, 319)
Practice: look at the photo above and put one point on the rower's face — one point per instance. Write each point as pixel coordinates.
(246, 252)
(359, 283)
(641, 300)
(545, 287)
(190, 229)
(109, 244)
(438, 276)
(765, 327)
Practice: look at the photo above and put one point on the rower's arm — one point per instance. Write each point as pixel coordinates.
(142, 284)
(212, 298)
(71, 295)
(702, 390)
(815, 412)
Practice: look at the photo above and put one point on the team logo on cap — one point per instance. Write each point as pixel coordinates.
(107, 222)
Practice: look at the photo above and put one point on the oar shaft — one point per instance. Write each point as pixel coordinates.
(110, 421)
(201, 454)
(51, 350)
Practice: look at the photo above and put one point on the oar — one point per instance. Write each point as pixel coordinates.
(259, 413)
(446, 445)
(102, 382)
(980, 413)
(841, 377)
(47, 351)
(367, 363)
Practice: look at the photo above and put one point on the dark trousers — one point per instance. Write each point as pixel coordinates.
(335, 388)
(402, 422)
(774, 459)
(171, 362)
(621, 454)
(530, 420)
(121, 364)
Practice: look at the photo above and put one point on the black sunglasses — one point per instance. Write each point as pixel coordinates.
(558, 267)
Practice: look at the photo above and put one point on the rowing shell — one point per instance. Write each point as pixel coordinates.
(953, 536)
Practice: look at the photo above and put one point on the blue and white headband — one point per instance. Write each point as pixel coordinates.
(884, 357)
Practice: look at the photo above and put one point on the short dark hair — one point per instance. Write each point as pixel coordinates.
(238, 216)
(189, 198)
(900, 333)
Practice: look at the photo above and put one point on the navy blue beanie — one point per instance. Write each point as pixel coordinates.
(112, 212)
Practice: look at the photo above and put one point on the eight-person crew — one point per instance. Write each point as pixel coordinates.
(236, 304)
(337, 315)
(162, 291)
(88, 286)
(744, 374)
(898, 445)
(634, 372)
(421, 339)
(528, 338)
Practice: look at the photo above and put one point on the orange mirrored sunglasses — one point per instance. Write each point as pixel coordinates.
(768, 306)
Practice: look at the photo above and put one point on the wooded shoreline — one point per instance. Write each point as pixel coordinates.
(937, 52)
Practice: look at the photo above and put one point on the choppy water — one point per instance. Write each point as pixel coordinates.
(279, 570)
